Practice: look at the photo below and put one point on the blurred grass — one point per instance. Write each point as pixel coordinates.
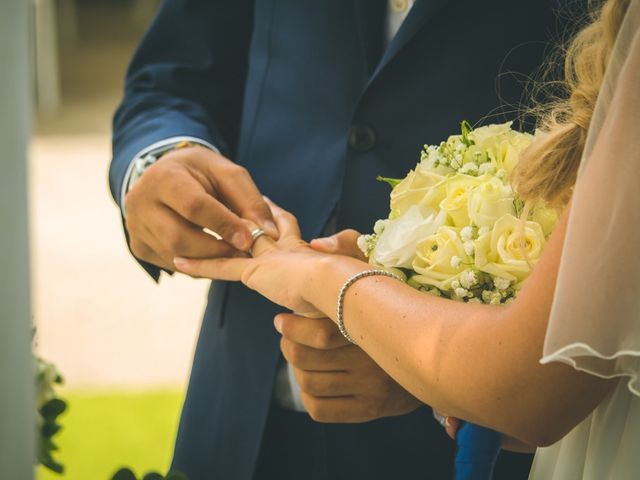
(105, 430)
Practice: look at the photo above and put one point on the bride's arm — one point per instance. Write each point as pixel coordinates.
(477, 362)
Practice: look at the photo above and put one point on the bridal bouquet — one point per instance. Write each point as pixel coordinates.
(458, 229)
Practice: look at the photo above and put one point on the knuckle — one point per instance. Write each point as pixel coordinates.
(296, 353)
(317, 410)
(194, 206)
(174, 243)
(307, 384)
(323, 338)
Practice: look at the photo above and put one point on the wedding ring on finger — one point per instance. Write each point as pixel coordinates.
(255, 234)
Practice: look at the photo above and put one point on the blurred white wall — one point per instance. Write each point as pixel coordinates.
(100, 318)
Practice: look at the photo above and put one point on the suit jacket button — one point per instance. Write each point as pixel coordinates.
(362, 138)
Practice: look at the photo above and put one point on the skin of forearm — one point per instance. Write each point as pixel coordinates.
(477, 362)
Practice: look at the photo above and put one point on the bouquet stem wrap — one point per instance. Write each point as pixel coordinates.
(478, 449)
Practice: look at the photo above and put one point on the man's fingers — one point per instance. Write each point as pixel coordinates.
(176, 237)
(451, 425)
(307, 358)
(318, 333)
(217, 268)
(337, 409)
(342, 243)
(324, 384)
(241, 194)
(201, 209)
(143, 252)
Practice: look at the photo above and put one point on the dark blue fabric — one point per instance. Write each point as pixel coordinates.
(276, 85)
(477, 452)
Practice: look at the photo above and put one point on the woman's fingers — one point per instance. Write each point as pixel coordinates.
(230, 269)
(342, 243)
(285, 221)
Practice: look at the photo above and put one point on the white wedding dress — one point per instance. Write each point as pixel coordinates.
(595, 319)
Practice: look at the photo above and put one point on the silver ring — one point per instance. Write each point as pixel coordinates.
(257, 233)
(443, 421)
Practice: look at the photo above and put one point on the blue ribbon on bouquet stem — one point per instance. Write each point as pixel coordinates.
(478, 449)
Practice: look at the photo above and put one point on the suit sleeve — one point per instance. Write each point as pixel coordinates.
(186, 78)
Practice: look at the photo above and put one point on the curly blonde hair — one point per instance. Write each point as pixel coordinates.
(548, 169)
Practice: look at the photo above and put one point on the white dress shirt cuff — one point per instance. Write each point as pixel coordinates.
(162, 144)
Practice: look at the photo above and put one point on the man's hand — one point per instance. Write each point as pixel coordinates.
(186, 191)
(339, 382)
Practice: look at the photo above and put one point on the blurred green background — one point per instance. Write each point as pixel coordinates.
(105, 430)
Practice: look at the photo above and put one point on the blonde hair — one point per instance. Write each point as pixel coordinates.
(548, 169)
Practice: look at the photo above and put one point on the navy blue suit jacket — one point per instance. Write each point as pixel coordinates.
(303, 94)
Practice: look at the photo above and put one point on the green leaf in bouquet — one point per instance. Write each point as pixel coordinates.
(391, 181)
(466, 129)
(124, 474)
(53, 408)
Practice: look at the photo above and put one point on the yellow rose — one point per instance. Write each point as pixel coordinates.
(440, 259)
(502, 144)
(546, 217)
(421, 187)
(511, 249)
(458, 189)
(489, 201)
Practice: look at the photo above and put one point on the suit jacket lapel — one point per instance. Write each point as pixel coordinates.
(420, 13)
(370, 18)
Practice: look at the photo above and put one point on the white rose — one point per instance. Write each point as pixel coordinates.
(396, 246)
(420, 187)
(433, 263)
(457, 190)
(489, 201)
(511, 249)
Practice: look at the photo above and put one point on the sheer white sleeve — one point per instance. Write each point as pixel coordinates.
(595, 317)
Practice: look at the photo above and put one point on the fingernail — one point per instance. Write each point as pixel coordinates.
(447, 423)
(277, 322)
(270, 228)
(240, 240)
(180, 262)
(326, 242)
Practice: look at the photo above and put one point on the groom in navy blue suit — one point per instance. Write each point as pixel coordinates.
(305, 101)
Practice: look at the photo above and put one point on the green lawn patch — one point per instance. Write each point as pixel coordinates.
(106, 430)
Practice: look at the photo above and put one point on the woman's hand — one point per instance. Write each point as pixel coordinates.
(279, 270)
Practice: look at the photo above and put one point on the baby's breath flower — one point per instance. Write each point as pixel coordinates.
(461, 292)
(483, 230)
(501, 283)
(474, 300)
(455, 284)
(495, 298)
(486, 296)
(466, 233)
(469, 247)
(501, 174)
(469, 168)
(468, 279)
(455, 261)
(485, 168)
